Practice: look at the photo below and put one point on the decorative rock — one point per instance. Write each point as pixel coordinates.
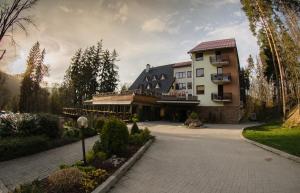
(195, 123)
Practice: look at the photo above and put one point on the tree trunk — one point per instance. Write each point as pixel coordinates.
(280, 67)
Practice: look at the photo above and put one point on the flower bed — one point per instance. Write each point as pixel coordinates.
(114, 148)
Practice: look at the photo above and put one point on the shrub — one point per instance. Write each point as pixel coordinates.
(93, 178)
(97, 146)
(135, 139)
(33, 187)
(65, 180)
(48, 125)
(140, 138)
(6, 128)
(146, 135)
(99, 123)
(72, 133)
(28, 125)
(20, 146)
(193, 115)
(135, 128)
(135, 118)
(89, 132)
(114, 136)
(91, 156)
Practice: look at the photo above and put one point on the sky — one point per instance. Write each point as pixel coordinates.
(155, 32)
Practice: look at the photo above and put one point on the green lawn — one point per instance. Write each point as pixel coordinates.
(274, 135)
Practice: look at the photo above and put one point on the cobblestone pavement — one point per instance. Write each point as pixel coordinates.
(40, 165)
(209, 160)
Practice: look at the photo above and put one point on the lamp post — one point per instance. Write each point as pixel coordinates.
(82, 124)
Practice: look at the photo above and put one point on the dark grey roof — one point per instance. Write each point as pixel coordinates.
(164, 85)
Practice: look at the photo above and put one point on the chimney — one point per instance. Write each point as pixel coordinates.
(147, 67)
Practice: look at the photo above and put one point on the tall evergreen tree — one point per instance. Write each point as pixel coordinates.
(109, 74)
(32, 97)
(92, 70)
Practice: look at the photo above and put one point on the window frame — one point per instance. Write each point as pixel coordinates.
(181, 86)
(197, 72)
(200, 93)
(180, 75)
(191, 85)
(189, 74)
(199, 58)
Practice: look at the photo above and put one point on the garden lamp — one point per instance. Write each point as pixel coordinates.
(82, 124)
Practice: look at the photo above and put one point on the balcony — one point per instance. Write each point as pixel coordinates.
(178, 99)
(221, 78)
(219, 60)
(226, 97)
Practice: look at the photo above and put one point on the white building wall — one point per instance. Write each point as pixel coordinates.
(210, 87)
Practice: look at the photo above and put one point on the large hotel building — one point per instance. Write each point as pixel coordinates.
(208, 84)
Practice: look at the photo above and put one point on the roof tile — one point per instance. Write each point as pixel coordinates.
(216, 44)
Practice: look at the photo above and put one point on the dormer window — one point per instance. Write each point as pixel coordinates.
(148, 87)
(163, 77)
(154, 78)
(147, 79)
(157, 86)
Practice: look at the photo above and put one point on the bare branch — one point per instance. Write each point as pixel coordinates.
(12, 15)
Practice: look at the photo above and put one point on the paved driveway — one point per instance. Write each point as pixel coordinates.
(210, 160)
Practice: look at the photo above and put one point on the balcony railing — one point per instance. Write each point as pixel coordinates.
(221, 78)
(225, 97)
(219, 60)
(178, 98)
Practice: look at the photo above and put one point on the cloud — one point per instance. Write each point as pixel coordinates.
(154, 25)
(65, 9)
(122, 14)
(204, 28)
(142, 31)
(162, 24)
(238, 13)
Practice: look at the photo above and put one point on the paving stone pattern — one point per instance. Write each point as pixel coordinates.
(40, 165)
(210, 160)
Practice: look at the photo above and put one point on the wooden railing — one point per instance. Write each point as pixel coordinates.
(77, 112)
(178, 98)
(145, 92)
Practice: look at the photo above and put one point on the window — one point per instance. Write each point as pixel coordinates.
(181, 86)
(199, 56)
(148, 86)
(162, 77)
(189, 85)
(154, 78)
(180, 75)
(157, 86)
(200, 89)
(219, 70)
(189, 74)
(146, 79)
(200, 72)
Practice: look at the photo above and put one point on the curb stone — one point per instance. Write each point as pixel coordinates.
(3, 188)
(115, 177)
(271, 149)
